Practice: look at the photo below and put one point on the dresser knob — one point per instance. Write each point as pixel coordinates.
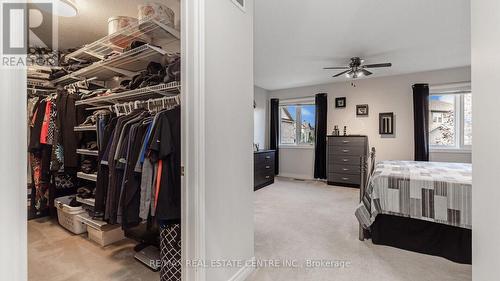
(345, 150)
(346, 141)
(268, 167)
(345, 169)
(268, 177)
(345, 179)
(268, 157)
(345, 160)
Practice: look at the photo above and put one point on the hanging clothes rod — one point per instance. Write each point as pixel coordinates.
(41, 90)
(164, 101)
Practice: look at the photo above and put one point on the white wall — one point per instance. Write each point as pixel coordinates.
(13, 237)
(486, 134)
(384, 94)
(261, 118)
(229, 135)
(297, 162)
(459, 157)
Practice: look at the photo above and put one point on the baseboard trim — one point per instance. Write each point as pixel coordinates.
(245, 271)
(295, 176)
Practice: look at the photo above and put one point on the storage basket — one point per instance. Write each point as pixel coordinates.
(67, 215)
(170, 248)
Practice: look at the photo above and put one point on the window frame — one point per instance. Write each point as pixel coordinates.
(298, 103)
(459, 123)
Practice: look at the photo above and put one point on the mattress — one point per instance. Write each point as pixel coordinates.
(430, 191)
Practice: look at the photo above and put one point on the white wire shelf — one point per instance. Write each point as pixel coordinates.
(147, 30)
(126, 64)
(39, 83)
(160, 90)
(89, 177)
(87, 152)
(85, 128)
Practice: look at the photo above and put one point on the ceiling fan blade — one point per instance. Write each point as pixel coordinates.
(341, 73)
(366, 72)
(337, 67)
(377, 65)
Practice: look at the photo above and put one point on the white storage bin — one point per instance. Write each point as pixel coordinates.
(101, 232)
(106, 236)
(67, 215)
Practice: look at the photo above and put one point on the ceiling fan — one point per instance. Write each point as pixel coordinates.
(356, 69)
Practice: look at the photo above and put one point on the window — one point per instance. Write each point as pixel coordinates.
(297, 124)
(450, 121)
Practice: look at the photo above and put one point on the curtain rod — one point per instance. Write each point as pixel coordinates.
(466, 83)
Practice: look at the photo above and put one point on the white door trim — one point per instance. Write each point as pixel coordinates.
(193, 150)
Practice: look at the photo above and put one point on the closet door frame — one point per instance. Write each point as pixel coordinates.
(193, 138)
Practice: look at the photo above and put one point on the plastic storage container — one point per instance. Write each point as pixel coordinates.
(118, 23)
(67, 215)
(106, 236)
(157, 11)
(101, 232)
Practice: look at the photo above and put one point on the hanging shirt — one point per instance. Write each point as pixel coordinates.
(165, 145)
(46, 121)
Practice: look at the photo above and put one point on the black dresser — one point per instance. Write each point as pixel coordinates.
(263, 168)
(347, 160)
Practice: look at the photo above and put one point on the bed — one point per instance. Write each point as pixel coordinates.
(419, 206)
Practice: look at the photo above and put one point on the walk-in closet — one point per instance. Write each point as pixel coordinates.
(104, 143)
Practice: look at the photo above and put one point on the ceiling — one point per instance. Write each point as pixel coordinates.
(91, 23)
(295, 39)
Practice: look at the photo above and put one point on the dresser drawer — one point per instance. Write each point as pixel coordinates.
(264, 168)
(261, 177)
(264, 158)
(347, 160)
(343, 141)
(344, 169)
(337, 151)
(345, 178)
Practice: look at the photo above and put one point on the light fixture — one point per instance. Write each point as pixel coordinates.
(66, 8)
(350, 74)
(62, 8)
(357, 73)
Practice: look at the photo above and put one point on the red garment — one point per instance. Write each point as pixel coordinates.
(45, 125)
(158, 182)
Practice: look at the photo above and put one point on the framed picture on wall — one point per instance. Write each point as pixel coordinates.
(340, 102)
(362, 110)
(386, 123)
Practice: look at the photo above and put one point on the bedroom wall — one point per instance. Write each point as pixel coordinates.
(261, 120)
(486, 100)
(382, 94)
(229, 227)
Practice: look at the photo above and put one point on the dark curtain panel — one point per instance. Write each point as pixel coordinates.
(421, 120)
(275, 132)
(320, 138)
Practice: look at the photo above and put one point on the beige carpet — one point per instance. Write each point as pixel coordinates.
(309, 220)
(55, 254)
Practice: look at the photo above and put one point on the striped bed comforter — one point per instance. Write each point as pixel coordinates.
(431, 191)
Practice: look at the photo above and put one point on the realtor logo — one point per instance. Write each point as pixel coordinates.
(27, 28)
